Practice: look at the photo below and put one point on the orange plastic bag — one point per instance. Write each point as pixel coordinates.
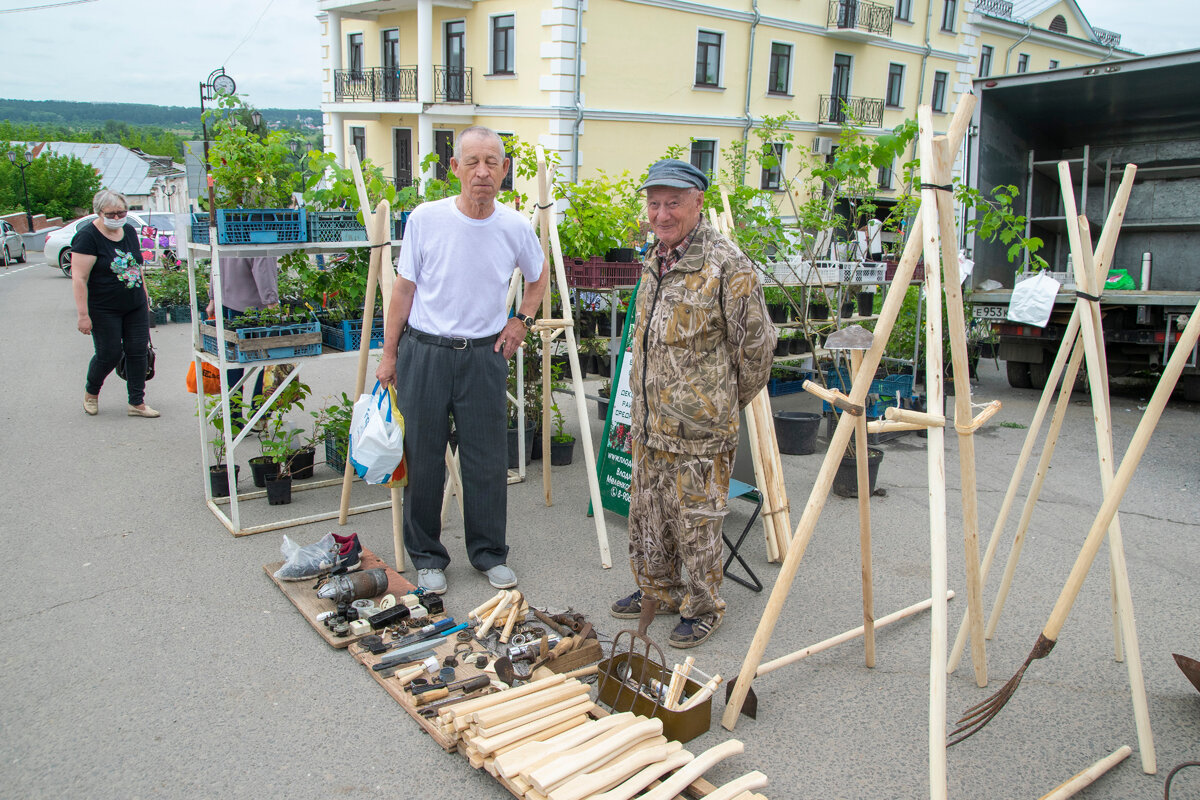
(212, 379)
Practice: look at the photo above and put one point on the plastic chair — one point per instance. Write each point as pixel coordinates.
(752, 495)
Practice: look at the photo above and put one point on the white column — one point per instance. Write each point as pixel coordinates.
(425, 51)
(337, 141)
(425, 144)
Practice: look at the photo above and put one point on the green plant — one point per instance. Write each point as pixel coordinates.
(212, 403)
(333, 420)
(279, 443)
(604, 213)
(248, 170)
(331, 187)
(559, 436)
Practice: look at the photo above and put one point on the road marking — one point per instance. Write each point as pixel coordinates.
(11, 271)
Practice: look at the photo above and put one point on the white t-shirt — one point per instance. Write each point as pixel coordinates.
(462, 267)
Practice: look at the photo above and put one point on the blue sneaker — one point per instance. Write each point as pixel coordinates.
(691, 632)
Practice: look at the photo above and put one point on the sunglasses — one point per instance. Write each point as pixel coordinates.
(114, 214)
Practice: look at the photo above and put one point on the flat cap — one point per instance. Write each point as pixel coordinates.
(676, 174)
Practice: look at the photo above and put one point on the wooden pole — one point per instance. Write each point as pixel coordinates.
(824, 480)
(935, 463)
(1093, 341)
(760, 479)
(542, 218)
(864, 521)
(1088, 776)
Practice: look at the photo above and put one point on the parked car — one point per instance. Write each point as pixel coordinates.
(58, 242)
(13, 248)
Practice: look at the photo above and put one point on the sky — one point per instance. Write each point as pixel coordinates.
(158, 51)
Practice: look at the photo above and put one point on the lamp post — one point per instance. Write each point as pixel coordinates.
(12, 156)
(256, 118)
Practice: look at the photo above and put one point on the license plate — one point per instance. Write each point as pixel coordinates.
(990, 312)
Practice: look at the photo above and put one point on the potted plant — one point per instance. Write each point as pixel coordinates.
(777, 303)
(531, 400)
(279, 443)
(218, 473)
(562, 445)
(602, 405)
(334, 422)
(783, 344)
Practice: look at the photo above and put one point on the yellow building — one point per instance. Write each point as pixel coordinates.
(611, 84)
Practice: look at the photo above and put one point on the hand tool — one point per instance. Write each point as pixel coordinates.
(404, 653)
(427, 632)
(440, 691)
(431, 710)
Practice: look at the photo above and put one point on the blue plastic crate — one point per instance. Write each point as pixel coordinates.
(261, 225)
(254, 344)
(778, 386)
(200, 227)
(347, 334)
(335, 226)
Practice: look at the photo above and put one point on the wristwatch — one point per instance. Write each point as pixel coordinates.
(525, 320)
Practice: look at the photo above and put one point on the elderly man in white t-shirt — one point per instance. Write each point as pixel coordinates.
(446, 348)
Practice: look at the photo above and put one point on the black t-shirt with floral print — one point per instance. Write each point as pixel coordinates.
(116, 279)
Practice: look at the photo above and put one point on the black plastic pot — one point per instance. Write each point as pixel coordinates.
(622, 255)
(602, 409)
(279, 489)
(302, 463)
(866, 303)
(535, 450)
(797, 345)
(818, 311)
(778, 312)
(783, 347)
(218, 479)
(261, 467)
(847, 309)
(797, 432)
(512, 446)
(845, 480)
(561, 453)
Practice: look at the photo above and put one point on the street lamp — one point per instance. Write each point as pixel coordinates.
(256, 118)
(12, 156)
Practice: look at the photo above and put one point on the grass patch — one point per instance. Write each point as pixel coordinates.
(1016, 425)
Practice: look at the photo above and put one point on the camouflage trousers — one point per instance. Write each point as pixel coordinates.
(676, 505)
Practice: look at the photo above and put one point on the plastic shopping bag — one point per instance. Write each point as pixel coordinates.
(377, 437)
(306, 559)
(1033, 299)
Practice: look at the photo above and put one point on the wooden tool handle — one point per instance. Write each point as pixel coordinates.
(705, 692)
(509, 624)
(511, 597)
(620, 770)
(684, 776)
(486, 745)
(748, 782)
(486, 607)
(509, 764)
(834, 398)
(893, 414)
(567, 703)
(549, 776)
(430, 696)
(646, 777)
(524, 705)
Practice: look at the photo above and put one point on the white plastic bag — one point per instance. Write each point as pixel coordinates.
(377, 436)
(304, 560)
(1033, 299)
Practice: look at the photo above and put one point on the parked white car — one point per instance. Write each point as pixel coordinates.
(12, 246)
(58, 242)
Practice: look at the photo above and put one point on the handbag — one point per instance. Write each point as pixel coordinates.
(149, 363)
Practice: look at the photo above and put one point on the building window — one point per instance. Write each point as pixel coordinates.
(904, 10)
(358, 138)
(939, 91)
(1023, 62)
(949, 12)
(704, 155)
(391, 48)
(354, 51)
(771, 173)
(885, 177)
(780, 76)
(708, 58)
(443, 145)
(895, 86)
(1054, 63)
(503, 36)
(1059, 24)
(985, 60)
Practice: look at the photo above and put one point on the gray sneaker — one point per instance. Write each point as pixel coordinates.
(501, 577)
(431, 580)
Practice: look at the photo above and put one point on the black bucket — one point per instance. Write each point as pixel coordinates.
(845, 480)
(797, 432)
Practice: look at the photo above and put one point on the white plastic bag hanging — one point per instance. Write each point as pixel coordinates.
(1033, 299)
(377, 436)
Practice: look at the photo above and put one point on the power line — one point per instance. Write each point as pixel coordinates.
(250, 32)
(48, 5)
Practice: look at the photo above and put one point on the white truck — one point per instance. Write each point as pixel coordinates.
(1098, 118)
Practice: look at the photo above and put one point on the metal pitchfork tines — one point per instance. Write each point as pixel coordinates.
(619, 667)
(982, 713)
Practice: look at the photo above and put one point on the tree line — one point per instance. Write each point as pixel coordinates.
(90, 115)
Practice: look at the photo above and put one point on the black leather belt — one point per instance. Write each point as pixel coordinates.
(453, 342)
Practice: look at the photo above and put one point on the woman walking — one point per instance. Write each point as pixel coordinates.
(110, 296)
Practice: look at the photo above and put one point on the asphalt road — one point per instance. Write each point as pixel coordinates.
(149, 656)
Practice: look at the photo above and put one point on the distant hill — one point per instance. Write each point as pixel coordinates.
(91, 115)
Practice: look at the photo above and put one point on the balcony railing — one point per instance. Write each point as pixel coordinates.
(452, 85)
(375, 83)
(861, 15)
(995, 8)
(865, 111)
(1107, 38)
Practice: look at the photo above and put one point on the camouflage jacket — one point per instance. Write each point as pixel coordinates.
(702, 347)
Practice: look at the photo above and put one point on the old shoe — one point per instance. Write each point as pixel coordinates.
(91, 405)
(140, 411)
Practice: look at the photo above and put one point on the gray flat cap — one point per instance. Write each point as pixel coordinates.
(676, 174)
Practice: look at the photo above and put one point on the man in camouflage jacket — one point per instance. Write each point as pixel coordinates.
(702, 350)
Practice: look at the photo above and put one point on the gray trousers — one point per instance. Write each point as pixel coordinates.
(432, 383)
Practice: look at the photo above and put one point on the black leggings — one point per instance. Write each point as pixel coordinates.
(114, 333)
